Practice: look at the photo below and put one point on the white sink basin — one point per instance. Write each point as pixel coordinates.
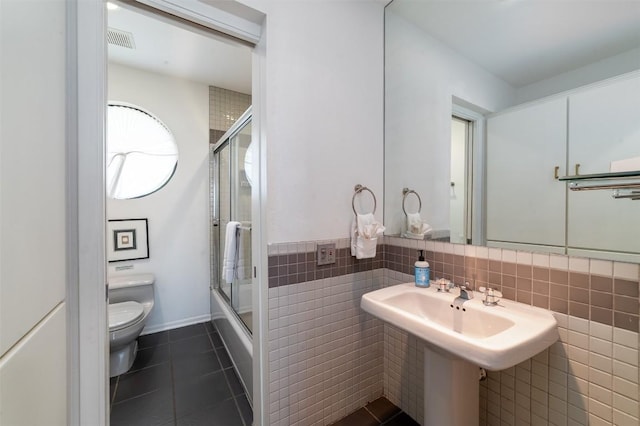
(493, 337)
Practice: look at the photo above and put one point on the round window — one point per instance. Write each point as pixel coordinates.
(142, 154)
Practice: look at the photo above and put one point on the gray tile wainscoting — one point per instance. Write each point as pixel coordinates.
(319, 333)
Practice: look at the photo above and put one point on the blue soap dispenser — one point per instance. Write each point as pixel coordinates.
(422, 271)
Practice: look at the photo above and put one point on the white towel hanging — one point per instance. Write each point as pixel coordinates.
(231, 246)
(365, 231)
(416, 227)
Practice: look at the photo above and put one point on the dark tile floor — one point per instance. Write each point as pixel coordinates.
(180, 377)
(376, 413)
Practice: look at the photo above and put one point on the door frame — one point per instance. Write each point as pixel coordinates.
(87, 340)
(478, 193)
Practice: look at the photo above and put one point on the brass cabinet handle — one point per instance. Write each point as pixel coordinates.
(577, 169)
(556, 170)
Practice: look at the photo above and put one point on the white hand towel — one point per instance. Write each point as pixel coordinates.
(354, 237)
(243, 264)
(229, 263)
(416, 226)
(413, 236)
(368, 227)
(365, 231)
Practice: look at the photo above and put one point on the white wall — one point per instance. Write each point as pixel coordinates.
(421, 78)
(324, 77)
(34, 249)
(178, 214)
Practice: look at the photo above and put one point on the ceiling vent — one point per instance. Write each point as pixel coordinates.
(120, 38)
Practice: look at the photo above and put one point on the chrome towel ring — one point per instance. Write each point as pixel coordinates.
(405, 193)
(358, 189)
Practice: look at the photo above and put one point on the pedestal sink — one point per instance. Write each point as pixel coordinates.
(460, 336)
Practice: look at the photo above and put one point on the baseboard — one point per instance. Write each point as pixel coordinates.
(175, 324)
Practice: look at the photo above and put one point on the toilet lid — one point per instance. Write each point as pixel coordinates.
(123, 314)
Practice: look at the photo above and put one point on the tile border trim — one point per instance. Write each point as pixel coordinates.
(603, 291)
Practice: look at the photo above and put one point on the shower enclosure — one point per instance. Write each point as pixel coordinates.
(231, 266)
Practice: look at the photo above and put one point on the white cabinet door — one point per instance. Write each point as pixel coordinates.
(604, 125)
(35, 244)
(525, 203)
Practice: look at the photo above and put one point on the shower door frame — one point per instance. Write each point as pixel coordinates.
(216, 264)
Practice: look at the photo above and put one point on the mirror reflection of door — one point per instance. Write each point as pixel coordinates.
(461, 180)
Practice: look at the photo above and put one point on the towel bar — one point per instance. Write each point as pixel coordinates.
(358, 189)
(405, 193)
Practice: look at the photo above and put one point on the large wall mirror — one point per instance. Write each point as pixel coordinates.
(490, 104)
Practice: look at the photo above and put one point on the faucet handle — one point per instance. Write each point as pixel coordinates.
(493, 291)
(491, 296)
(444, 284)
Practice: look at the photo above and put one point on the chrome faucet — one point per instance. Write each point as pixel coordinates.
(444, 285)
(491, 296)
(465, 292)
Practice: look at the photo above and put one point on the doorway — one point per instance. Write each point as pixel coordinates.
(468, 153)
(165, 55)
(461, 180)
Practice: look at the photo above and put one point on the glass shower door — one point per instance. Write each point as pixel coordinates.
(231, 202)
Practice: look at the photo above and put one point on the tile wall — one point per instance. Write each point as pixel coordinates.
(326, 354)
(598, 290)
(225, 107)
(296, 263)
(589, 376)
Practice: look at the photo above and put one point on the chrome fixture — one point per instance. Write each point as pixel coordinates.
(465, 292)
(491, 296)
(617, 181)
(357, 190)
(444, 285)
(406, 192)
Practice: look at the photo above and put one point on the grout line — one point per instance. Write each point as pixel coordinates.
(215, 351)
(235, 401)
(173, 384)
(223, 369)
(115, 391)
(393, 417)
(170, 361)
(372, 415)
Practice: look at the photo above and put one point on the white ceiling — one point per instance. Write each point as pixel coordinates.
(520, 41)
(167, 48)
(526, 41)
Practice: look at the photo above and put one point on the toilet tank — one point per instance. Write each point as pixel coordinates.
(135, 287)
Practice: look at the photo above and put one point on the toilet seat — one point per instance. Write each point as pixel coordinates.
(123, 314)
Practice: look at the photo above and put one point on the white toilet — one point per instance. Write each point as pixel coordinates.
(130, 302)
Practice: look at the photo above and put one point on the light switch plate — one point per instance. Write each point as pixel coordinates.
(326, 254)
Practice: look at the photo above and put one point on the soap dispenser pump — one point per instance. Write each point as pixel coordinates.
(422, 271)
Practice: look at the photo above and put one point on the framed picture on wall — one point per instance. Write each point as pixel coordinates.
(127, 239)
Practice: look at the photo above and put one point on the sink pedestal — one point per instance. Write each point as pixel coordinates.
(451, 390)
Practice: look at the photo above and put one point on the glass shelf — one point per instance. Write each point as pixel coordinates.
(616, 180)
(603, 176)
